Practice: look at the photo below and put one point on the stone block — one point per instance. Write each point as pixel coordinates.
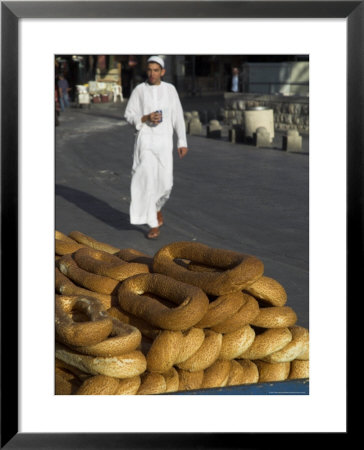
(214, 129)
(253, 119)
(195, 127)
(215, 125)
(298, 108)
(278, 108)
(262, 137)
(289, 119)
(187, 115)
(241, 105)
(296, 120)
(292, 141)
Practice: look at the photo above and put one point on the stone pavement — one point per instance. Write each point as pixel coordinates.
(233, 196)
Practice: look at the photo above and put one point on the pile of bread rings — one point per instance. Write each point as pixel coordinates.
(190, 317)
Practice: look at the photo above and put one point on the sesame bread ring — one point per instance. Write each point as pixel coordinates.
(206, 355)
(299, 369)
(144, 327)
(107, 265)
(173, 347)
(275, 317)
(244, 316)
(189, 381)
(216, 375)
(243, 372)
(192, 340)
(123, 338)
(68, 331)
(152, 383)
(61, 236)
(66, 383)
(129, 386)
(135, 256)
(99, 385)
(272, 372)
(123, 366)
(103, 385)
(236, 373)
(172, 380)
(65, 286)
(202, 268)
(192, 302)
(82, 376)
(240, 270)
(63, 247)
(305, 355)
(269, 290)
(236, 342)
(91, 242)
(91, 281)
(268, 342)
(251, 373)
(156, 383)
(293, 349)
(221, 309)
(164, 351)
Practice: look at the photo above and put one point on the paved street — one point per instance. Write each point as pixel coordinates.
(225, 195)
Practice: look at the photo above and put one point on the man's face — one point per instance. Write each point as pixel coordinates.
(155, 73)
(235, 71)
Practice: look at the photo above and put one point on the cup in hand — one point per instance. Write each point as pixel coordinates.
(159, 111)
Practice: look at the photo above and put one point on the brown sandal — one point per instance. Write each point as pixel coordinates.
(160, 218)
(153, 233)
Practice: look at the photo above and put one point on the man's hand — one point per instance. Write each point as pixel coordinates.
(182, 151)
(153, 117)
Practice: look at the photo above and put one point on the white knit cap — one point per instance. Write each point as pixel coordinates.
(157, 59)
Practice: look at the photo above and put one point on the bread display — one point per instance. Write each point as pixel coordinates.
(190, 317)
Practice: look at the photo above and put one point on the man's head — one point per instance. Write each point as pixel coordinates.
(155, 69)
(235, 71)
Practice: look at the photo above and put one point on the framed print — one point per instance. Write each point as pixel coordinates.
(27, 191)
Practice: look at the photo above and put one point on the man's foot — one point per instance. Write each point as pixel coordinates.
(160, 218)
(153, 233)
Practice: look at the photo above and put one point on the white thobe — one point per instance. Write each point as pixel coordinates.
(152, 170)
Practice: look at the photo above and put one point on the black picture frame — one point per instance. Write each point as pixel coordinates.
(11, 12)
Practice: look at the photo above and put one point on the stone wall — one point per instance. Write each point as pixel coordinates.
(290, 112)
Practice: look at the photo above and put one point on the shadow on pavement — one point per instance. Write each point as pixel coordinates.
(96, 207)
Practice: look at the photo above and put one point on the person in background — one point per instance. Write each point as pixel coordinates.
(155, 111)
(63, 92)
(235, 80)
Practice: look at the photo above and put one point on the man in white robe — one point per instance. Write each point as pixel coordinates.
(152, 171)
